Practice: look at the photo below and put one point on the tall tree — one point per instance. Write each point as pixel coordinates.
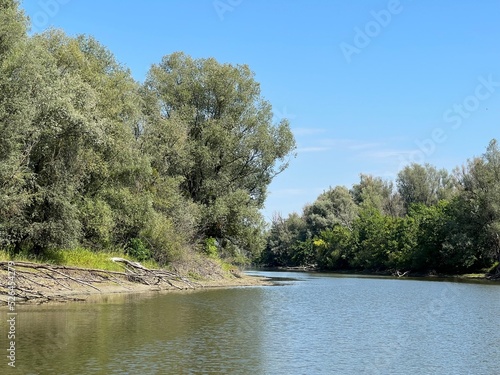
(47, 112)
(66, 111)
(16, 112)
(220, 140)
(424, 184)
(13, 25)
(334, 206)
(374, 239)
(112, 198)
(478, 208)
(375, 192)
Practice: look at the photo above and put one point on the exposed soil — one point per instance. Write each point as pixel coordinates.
(47, 283)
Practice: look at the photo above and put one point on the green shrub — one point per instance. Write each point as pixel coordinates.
(97, 222)
(211, 248)
(164, 241)
(138, 250)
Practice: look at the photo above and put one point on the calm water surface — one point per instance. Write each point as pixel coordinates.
(317, 324)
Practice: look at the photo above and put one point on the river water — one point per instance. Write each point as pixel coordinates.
(313, 324)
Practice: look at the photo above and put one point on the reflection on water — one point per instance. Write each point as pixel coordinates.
(320, 324)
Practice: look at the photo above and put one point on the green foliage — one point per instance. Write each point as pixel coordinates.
(97, 222)
(13, 25)
(207, 125)
(332, 207)
(334, 247)
(433, 223)
(282, 238)
(424, 184)
(211, 247)
(164, 241)
(374, 240)
(494, 268)
(303, 253)
(406, 234)
(90, 157)
(377, 193)
(77, 257)
(475, 235)
(138, 250)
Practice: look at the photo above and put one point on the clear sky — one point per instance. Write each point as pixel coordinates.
(368, 86)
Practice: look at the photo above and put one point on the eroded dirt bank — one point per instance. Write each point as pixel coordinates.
(24, 282)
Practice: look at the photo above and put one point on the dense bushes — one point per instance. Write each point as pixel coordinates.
(432, 222)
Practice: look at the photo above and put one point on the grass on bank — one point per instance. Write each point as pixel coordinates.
(192, 264)
(83, 258)
(485, 272)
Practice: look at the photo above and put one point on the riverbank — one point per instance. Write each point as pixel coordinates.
(34, 283)
(396, 274)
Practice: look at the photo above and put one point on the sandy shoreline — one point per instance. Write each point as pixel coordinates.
(49, 285)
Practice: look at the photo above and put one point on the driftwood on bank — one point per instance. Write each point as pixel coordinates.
(33, 282)
(496, 275)
(136, 272)
(400, 274)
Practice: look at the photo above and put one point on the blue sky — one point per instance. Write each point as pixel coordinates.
(368, 86)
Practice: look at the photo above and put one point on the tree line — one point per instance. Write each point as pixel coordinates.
(89, 157)
(429, 221)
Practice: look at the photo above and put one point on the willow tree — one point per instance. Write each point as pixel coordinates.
(13, 24)
(111, 175)
(476, 230)
(424, 184)
(69, 169)
(15, 113)
(332, 207)
(208, 125)
(50, 120)
(375, 192)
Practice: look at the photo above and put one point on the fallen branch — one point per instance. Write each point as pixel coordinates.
(41, 283)
(138, 272)
(400, 274)
(76, 280)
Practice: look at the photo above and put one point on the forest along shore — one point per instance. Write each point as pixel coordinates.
(34, 283)
(390, 273)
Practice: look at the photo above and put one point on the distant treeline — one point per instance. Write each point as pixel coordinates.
(431, 221)
(91, 158)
